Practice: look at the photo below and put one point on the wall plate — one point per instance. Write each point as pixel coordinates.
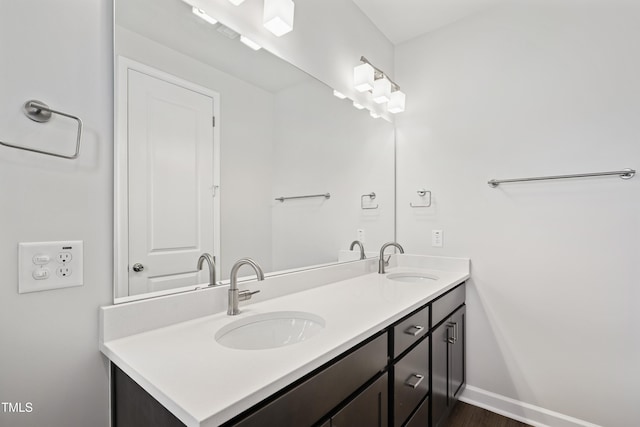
(49, 265)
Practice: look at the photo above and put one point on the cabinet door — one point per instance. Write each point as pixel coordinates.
(439, 360)
(368, 409)
(456, 355)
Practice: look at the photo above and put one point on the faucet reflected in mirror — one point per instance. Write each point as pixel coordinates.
(358, 243)
(236, 296)
(212, 267)
(381, 262)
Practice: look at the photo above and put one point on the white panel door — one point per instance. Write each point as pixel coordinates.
(170, 183)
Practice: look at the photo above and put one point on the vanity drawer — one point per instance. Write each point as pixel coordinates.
(309, 401)
(411, 381)
(446, 304)
(410, 330)
(421, 417)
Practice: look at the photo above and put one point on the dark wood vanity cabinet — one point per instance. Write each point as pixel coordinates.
(408, 375)
(447, 358)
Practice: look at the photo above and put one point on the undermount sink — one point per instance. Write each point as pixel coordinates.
(270, 330)
(411, 277)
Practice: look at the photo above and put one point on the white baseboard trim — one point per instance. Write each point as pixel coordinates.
(519, 411)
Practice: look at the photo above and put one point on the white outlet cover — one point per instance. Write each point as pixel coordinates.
(63, 269)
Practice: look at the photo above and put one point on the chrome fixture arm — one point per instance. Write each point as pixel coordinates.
(325, 195)
(381, 261)
(379, 72)
(624, 174)
(40, 112)
(212, 267)
(358, 243)
(236, 296)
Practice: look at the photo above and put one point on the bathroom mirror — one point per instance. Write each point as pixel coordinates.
(278, 132)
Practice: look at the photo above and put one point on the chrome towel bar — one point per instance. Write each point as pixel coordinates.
(40, 112)
(624, 174)
(325, 195)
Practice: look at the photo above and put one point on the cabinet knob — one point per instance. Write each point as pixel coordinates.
(414, 380)
(137, 267)
(414, 330)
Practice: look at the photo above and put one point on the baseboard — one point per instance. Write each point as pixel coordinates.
(519, 411)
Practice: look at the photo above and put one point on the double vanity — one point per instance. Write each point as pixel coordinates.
(341, 345)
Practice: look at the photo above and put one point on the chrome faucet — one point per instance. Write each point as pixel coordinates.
(212, 267)
(381, 261)
(236, 296)
(358, 243)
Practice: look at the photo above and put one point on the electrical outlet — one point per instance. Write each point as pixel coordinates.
(64, 271)
(437, 237)
(49, 265)
(64, 257)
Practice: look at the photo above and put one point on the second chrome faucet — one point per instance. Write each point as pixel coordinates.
(235, 296)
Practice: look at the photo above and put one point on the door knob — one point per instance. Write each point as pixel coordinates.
(137, 267)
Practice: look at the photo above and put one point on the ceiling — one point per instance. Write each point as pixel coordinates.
(402, 20)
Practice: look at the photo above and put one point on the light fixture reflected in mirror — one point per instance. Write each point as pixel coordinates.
(338, 94)
(278, 16)
(358, 105)
(250, 43)
(236, 2)
(201, 14)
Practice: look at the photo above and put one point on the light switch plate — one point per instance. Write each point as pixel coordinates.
(49, 265)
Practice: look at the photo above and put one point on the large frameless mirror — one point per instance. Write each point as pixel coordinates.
(219, 145)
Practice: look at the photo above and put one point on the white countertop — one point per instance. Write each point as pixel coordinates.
(205, 384)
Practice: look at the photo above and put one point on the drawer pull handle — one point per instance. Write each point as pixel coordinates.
(414, 330)
(414, 380)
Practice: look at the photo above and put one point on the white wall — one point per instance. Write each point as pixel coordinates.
(49, 340)
(61, 52)
(324, 145)
(245, 150)
(534, 88)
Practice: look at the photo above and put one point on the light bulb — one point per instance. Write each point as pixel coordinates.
(278, 16)
(396, 102)
(363, 76)
(381, 90)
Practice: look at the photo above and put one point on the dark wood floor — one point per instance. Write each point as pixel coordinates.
(465, 415)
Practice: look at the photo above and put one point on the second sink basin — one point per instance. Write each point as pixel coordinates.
(412, 277)
(270, 330)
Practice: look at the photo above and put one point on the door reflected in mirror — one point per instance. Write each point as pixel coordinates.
(211, 134)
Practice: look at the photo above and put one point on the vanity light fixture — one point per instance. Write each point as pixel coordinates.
(201, 14)
(250, 43)
(236, 2)
(278, 16)
(339, 94)
(396, 102)
(369, 78)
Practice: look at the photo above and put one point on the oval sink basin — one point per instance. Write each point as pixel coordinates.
(411, 277)
(270, 330)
